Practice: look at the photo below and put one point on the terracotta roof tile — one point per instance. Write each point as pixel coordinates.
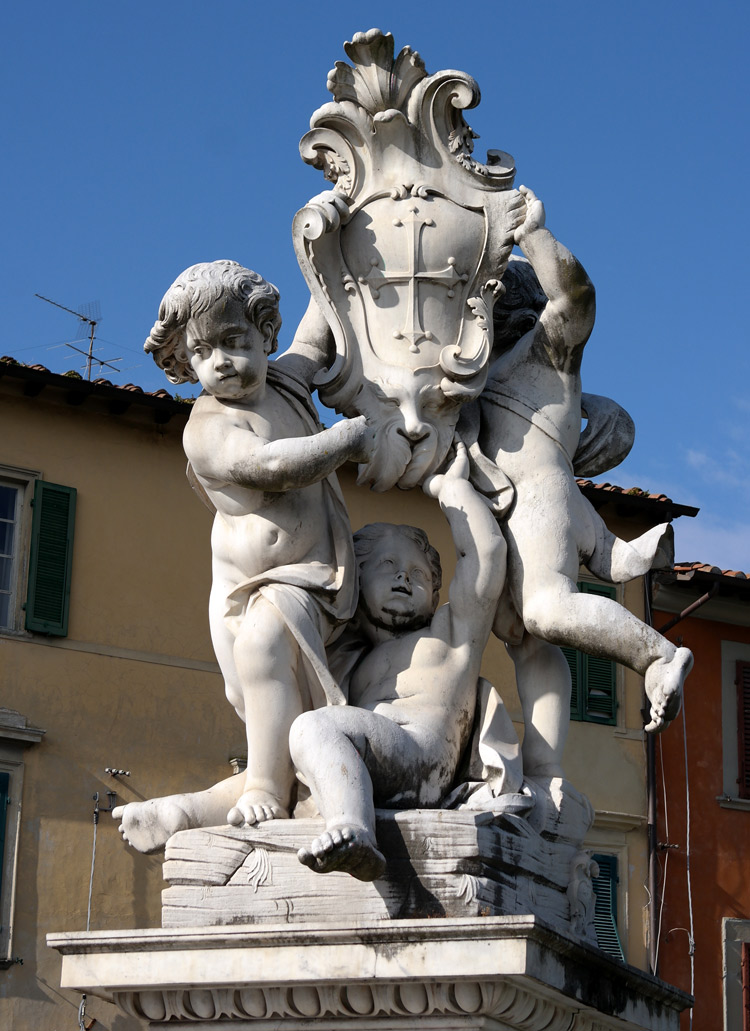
(130, 388)
(704, 567)
(630, 491)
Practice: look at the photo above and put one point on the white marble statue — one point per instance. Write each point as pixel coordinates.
(413, 693)
(530, 425)
(283, 574)
(405, 259)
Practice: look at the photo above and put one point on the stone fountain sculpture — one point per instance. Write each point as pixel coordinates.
(457, 369)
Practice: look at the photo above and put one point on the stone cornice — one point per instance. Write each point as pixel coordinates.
(512, 969)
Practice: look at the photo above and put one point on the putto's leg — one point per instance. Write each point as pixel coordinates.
(543, 682)
(663, 682)
(347, 755)
(618, 561)
(147, 826)
(266, 658)
(346, 848)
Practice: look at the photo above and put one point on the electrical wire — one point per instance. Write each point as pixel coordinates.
(93, 861)
(691, 932)
(666, 853)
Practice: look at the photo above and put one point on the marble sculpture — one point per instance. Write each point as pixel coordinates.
(456, 367)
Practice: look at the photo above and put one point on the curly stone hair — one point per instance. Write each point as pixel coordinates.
(521, 303)
(193, 292)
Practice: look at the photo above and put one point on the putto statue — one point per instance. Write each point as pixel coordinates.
(283, 571)
(457, 368)
(530, 416)
(413, 692)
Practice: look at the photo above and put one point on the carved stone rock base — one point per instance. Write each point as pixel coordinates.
(498, 972)
(440, 863)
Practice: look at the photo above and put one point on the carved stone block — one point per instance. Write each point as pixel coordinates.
(440, 863)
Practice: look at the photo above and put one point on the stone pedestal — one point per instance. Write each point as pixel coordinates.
(441, 863)
(507, 972)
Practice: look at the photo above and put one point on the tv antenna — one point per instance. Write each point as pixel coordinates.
(86, 317)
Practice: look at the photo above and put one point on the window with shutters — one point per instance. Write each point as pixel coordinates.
(605, 910)
(50, 558)
(736, 977)
(4, 797)
(36, 552)
(742, 683)
(16, 493)
(593, 695)
(735, 725)
(16, 735)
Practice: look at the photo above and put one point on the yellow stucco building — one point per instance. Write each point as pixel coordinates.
(117, 673)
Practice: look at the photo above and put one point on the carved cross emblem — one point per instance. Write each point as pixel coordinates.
(377, 278)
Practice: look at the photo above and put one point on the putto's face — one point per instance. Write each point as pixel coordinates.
(228, 354)
(395, 581)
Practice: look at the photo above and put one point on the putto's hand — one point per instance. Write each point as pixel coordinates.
(365, 438)
(459, 466)
(535, 215)
(516, 211)
(457, 469)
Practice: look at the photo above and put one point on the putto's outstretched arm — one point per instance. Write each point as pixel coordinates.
(312, 348)
(277, 465)
(568, 318)
(480, 547)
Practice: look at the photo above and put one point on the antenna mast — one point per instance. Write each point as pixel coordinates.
(92, 324)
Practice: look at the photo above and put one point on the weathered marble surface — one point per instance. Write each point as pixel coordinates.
(441, 863)
(497, 973)
(460, 372)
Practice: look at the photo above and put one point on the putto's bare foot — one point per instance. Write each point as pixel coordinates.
(256, 807)
(664, 679)
(344, 848)
(148, 826)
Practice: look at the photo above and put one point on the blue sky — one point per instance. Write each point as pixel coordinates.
(142, 138)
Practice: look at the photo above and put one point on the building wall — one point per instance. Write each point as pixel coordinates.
(719, 841)
(134, 686)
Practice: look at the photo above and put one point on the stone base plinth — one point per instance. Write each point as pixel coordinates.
(441, 863)
(503, 973)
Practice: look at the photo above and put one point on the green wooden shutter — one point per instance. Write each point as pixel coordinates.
(605, 910)
(743, 728)
(574, 658)
(594, 692)
(601, 695)
(50, 558)
(4, 792)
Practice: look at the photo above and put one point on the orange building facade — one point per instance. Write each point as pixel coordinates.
(703, 799)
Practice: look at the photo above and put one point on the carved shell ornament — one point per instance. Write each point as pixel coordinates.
(404, 254)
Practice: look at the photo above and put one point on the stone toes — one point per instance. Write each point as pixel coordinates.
(235, 817)
(306, 857)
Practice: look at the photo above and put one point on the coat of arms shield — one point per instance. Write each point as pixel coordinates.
(405, 254)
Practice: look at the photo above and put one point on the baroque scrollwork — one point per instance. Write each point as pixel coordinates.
(406, 312)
